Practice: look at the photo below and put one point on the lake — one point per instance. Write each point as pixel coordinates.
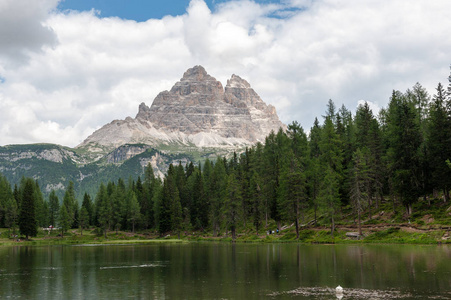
(225, 271)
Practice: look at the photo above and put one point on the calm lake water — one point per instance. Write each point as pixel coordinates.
(225, 271)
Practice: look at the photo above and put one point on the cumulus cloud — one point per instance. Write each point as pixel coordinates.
(65, 74)
(22, 30)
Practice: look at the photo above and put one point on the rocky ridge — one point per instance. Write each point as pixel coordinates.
(196, 112)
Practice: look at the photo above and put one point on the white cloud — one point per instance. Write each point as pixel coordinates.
(21, 29)
(66, 74)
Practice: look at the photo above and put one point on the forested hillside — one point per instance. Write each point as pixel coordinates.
(345, 161)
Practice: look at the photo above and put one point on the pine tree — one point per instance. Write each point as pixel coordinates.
(11, 214)
(329, 197)
(41, 207)
(54, 207)
(331, 153)
(200, 206)
(87, 204)
(134, 214)
(84, 219)
(313, 169)
(103, 209)
(146, 200)
(405, 140)
(5, 195)
(368, 135)
(292, 192)
(257, 203)
(27, 216)
(118, 204)
(218, 186)
(69, 201)
(359, 184)
(231, 209)
(169, 208)
(65, 220)
(439, 141)
(176, 210)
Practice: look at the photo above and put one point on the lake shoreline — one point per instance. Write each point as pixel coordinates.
(378, 234)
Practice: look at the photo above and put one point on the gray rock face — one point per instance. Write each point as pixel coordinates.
(125, 152)
(197, 110)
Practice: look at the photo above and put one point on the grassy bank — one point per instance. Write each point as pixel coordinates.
(74, 237)
(429, 224)
(313, 235)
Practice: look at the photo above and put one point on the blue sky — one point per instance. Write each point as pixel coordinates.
(139, 10)
(66, 70)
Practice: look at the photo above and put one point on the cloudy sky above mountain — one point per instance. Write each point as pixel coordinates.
(69, 67)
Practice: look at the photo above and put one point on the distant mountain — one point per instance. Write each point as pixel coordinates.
(197, 112)
(195, 120)
(53, 166)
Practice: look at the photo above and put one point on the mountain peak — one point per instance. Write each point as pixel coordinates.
(197, 110)
(196, 73)
(237, 82)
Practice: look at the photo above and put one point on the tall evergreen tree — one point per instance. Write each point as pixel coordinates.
(27, 216)
(65, 220)
(11, 214)
(405, 140)
(368, 136)
(84, 219)
(314, 170)
(88, 205)
(41, 207)
(5, 195)
(292, 192)
(439, 140)
(359, 184)
(257, 202)
(70, 201)
(329, 197)
(118, 199)
(232, 205)
(135, 214)
(54, 207)
(200, 205)
(218, 187)
(103, 209)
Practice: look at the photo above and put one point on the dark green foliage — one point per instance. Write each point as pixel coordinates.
(134, 212)
(70, 202)
(84, 219)
(218, 190)
(65, 220)
(439, 141)
(88, 206)
(359, 183)
(329, 196)
(5, 195)
(405, 139)
(27, 216)
(54, 208)
(103, 209)
(232, 202)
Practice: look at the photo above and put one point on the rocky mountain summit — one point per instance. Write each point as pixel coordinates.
(196, 112)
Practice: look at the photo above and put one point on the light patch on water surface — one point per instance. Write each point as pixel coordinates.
(134, 266)
(349, 293)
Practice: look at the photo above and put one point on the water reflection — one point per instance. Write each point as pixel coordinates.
(239, 271)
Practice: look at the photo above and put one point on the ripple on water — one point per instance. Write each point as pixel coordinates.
(350, 293)
(132, 266)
